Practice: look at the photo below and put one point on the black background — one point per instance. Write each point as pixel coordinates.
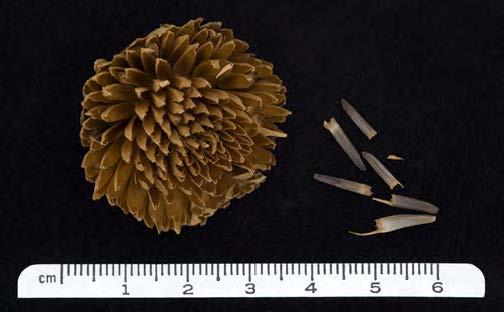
(427, 74)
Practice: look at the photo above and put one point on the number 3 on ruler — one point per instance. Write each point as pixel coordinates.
(250, 288)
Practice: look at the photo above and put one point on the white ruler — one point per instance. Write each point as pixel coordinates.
(212, 280)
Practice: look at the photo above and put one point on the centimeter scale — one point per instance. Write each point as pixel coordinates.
(221, 280)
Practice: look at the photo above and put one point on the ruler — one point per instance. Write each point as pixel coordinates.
(221, 280)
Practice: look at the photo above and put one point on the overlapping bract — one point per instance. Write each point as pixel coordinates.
(179, 123)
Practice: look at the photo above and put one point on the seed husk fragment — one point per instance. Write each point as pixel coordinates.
(357, 118)
(347, 146)
(394, 157)
(344, 184)
(381, 170)
(396, 222)
(406, 202)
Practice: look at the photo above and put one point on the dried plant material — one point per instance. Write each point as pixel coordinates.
(344, 142)
(396, 222)
(357, 118)
(179, 123)
(348, 185)
(405, 202)
(381, 170)
(394, 157)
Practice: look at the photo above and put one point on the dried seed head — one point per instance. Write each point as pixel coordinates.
(394, 157)
(405, 202)
(357, 118)
(179, 123)
(381, 170)
(396, 222)
(347, 146)
(348, 185)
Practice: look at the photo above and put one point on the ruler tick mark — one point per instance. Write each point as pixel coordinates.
(218, 276)
(155, 272)
(281, 268)
(343, 271)
(249, 277)
(94, 273)
(125, 273)
(187, 272)
(375, 271)
(407, 273)
(61, 273)
(362, 268)
(311, 272)
(437, 271)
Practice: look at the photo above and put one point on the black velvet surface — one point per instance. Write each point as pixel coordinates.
(427, 74)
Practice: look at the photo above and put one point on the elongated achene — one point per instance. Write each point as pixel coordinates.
(381, 170)
(344, 184)
(410, 203)
(179, 123)
(344, 142)
(358, 120)
(397, 222)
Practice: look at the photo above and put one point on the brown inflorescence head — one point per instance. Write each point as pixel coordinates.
(179, 123)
